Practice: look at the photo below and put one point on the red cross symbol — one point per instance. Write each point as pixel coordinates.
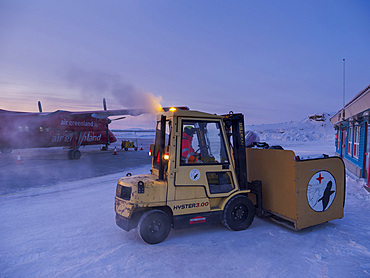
(320, 178)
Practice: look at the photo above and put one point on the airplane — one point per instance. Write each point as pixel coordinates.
(20, 130)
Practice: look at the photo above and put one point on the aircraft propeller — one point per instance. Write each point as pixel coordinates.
(40, 107)
(120, 118)
(104, 104)
(109, 121)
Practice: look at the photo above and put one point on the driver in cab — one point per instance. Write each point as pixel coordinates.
(188, 154)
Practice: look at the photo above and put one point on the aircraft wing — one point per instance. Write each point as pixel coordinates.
(100, 114)
(120, 112)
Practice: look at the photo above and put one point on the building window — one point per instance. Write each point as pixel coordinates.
(350, 140)
(337, 141)
(356, 141)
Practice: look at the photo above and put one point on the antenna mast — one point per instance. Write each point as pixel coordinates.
(344, 75)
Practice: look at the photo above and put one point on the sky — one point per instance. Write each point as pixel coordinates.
(274, 61)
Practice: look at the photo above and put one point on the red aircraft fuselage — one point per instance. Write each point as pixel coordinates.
(57, 129)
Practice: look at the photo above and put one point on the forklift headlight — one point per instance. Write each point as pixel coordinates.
(124, 192)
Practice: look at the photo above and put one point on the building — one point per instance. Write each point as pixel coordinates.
(352, 140)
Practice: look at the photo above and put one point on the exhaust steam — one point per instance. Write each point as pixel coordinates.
(99, 84)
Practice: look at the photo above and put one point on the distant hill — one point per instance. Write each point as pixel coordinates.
(316, 127)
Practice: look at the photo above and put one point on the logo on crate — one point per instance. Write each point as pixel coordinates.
(321, 191)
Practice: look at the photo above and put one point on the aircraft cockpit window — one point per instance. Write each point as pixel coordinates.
(20, 129)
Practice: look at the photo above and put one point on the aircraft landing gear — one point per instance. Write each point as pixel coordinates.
(74, 154)
(77, 139)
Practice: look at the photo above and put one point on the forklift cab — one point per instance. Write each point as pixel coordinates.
(199, 161)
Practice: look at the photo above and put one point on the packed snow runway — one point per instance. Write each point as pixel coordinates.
(49, 166)
(69, 230)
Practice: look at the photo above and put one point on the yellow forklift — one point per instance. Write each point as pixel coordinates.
(127, 144)
(203, 173)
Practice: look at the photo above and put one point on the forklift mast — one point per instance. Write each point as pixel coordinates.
(161, 148)
(235, 128)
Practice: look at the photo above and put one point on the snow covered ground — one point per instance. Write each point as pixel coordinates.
(69, 230)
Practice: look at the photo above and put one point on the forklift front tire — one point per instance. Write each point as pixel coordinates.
(239, 213)
(154, 226)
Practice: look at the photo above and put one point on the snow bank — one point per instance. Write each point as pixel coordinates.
(317, 128)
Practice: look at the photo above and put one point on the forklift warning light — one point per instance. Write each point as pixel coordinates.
(174, 109)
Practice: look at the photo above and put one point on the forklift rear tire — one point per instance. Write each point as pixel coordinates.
(238, 213)
(154, 226)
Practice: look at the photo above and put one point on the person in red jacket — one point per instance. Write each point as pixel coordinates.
(188, 154)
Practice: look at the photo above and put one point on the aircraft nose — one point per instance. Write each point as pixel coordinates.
(112, 138)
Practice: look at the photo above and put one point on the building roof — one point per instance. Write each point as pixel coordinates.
(354, 108)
